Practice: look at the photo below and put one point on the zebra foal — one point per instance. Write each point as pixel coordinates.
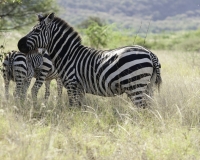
(132, 69)
(15, 69)
(21, 69)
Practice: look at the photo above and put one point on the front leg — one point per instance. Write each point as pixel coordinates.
(25, 87)
(37, 85)
(75, 95)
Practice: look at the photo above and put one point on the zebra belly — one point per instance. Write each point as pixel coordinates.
(117, 91)
(118, 85)
(110, 91)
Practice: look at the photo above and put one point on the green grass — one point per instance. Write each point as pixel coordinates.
(179, 41)
(187, 41)
(111, 128)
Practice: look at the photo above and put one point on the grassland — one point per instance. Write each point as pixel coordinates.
(110, 128)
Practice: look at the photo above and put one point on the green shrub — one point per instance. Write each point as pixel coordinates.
(97, 35)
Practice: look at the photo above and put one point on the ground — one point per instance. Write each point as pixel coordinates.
(110, 128)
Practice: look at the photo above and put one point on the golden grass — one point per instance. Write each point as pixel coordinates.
(111, 128)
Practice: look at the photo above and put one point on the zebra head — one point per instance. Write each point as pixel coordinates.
(39, 36)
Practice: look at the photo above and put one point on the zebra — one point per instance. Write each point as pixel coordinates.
(130, 69)
(15, 69)
(21, 68)
(41, 67)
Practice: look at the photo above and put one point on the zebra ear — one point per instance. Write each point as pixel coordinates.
(40, 17)
(49, 18)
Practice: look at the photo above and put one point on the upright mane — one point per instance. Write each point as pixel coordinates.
(64, 24)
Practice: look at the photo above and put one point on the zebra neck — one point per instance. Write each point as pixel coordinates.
(67, 50)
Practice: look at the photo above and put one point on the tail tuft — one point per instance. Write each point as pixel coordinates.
(156, 66)
(158, 82)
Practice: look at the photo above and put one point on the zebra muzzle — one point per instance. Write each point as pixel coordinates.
(22, 45)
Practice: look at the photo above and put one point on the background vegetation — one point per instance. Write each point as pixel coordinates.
(14, 14)
(163, 15)
(108, 36)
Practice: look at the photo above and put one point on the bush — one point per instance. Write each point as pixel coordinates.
(97, 35)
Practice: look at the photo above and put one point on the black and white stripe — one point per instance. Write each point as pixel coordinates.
(15, 69)
(21, 69)
(132, 69)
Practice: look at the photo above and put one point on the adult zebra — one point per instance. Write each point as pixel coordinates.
(132, 69)
(21, 69)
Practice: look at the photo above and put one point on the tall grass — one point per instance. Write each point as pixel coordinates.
(110, 128)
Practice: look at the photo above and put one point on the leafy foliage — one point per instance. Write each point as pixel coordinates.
(97, 35)
(15, 14)
(112, 38)
(89, 22)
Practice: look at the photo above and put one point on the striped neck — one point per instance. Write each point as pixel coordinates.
(64, 39)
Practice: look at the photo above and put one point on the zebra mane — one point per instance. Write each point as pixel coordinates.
(62, 22)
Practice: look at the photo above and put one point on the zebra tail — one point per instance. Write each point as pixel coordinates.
(156, 76)
(158, 81)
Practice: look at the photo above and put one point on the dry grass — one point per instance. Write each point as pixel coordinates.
(111, 128)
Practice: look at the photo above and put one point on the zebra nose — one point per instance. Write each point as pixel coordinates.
(22, 46)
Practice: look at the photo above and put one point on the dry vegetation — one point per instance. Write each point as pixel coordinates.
(111, 128)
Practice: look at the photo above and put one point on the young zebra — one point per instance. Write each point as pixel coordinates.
(131, 69)
(21, 69)
(15, 69)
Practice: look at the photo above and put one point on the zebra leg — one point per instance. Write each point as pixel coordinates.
(71, 96)
(75, 96)
(47, 89)
(25, 87)
(34, 91)
(7, 89)
(137, 95)
(59, 87)
(17, 92)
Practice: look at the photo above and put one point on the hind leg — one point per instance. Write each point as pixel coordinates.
(137, 95)
(25, 87)
(47, 90)
(75, 95)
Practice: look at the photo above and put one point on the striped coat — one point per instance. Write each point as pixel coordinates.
(132, 69)
(21, 69)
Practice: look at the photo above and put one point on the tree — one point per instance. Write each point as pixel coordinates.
(89, 21)
(17, 13)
